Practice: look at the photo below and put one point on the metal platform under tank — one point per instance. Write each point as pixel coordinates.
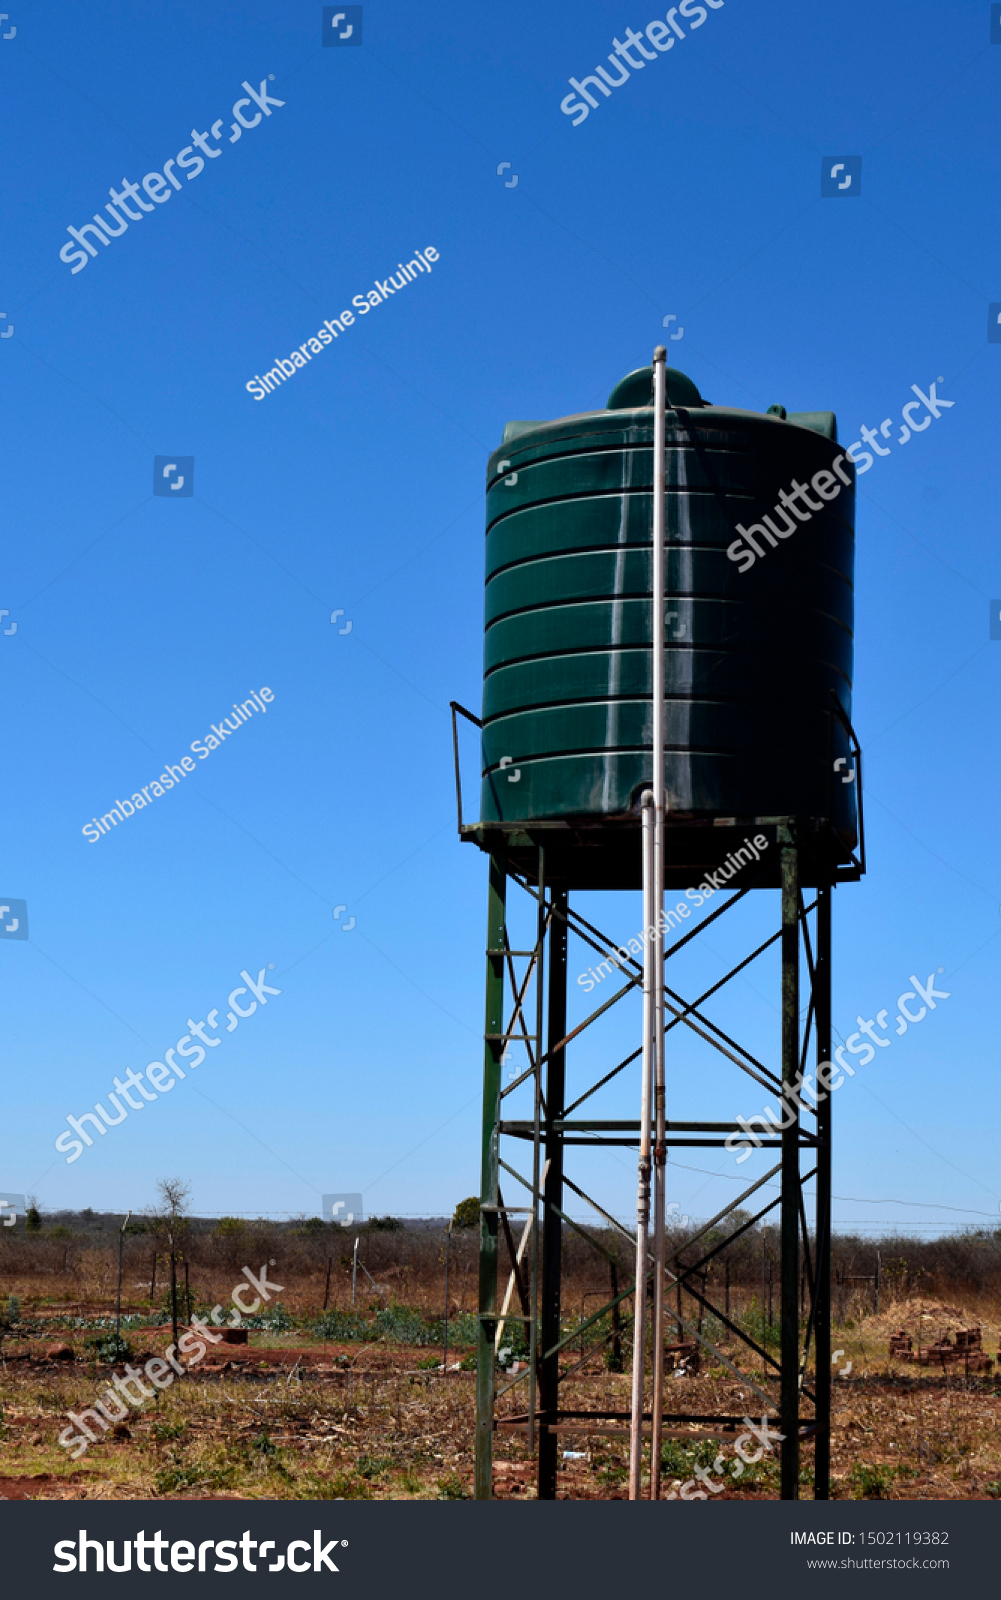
(592, 852)
(606, 855)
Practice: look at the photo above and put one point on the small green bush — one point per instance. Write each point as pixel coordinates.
(277, 1320)
(341, 1325)
(403, 1325)
(674, 1460)
(452, 1488)
(871, 1482)
(755, 1322)
(111, 1349)
(162, 1431)
(342, 1486)
(179, 1475)
(467, 1213)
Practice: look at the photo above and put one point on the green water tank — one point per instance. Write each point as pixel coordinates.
(756, 643)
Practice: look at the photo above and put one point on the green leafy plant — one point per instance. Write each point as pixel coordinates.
(341, 1486)
(871, 1482)
(277, 1320)
(675, 1460)
(111, 1348)
(178, 1475)
(452, 1488)
(613, 1472)
(230, 1227)
(162, 1431)
(514, 1343)
(755, 1322)
(341, 1325)
(467, 1213)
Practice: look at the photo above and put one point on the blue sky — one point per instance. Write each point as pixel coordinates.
(693, 190)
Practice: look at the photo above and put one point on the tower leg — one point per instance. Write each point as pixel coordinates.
(822, 1289)
(552, 1193)
(493, 1050)
(789, 1394)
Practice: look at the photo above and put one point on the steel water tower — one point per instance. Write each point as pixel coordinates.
(716, 727)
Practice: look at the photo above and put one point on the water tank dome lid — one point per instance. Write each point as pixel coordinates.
(636, 390)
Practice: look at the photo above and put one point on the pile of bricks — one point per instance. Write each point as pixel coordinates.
(967, 1349)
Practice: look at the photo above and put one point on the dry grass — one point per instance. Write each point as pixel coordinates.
(259, 1434)
(294, 1417)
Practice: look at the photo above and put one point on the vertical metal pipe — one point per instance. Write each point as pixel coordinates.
(493, 1049)
(448, 1251)
(822, 1277)
(616, 1362)
(173, 1289)
(540, 998)
(764, 1323)
(643, 1184)
(789, 1313)
(354, 1272)
(118, 1306)
(660, 1097)
(879, 1260)
(552, 1197)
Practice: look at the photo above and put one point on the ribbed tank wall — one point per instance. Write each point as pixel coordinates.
(751, 656)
